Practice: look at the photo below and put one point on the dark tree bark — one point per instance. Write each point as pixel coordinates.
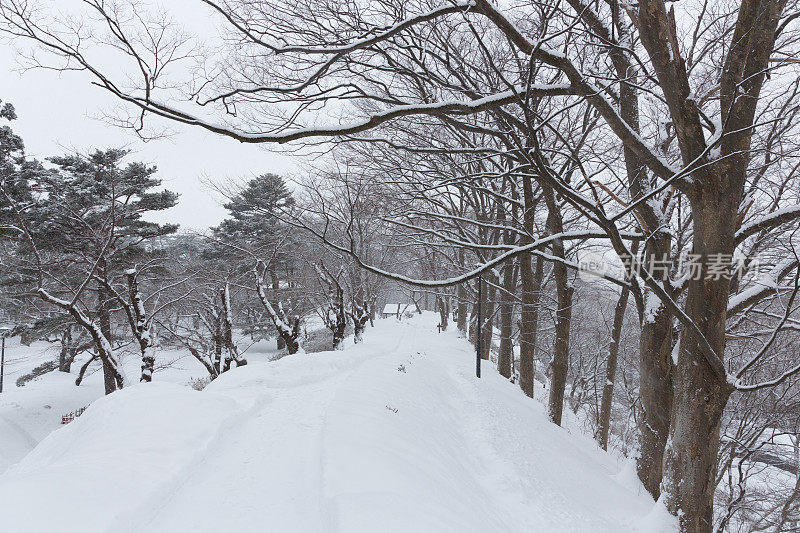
(604, 422)
(529, 320)
(655, 389)
(104, 318)
(531, 288)
(564, 291)
(505, 356)
(338, 318)
(488, 314)
(701, 388)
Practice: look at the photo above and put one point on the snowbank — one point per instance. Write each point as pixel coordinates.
(392, 435)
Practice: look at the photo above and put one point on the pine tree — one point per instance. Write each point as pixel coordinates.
(255, 224)
(90, 218)
(254, 213)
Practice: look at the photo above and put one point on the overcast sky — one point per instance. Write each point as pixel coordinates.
(58, 113)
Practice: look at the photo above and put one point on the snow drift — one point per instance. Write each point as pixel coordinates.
(392, 435)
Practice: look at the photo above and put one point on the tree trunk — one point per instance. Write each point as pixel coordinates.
(505, 357)
(487, 314)
(360, 317)
(444, 311)
(531, 288)
(372, 311)
(473, 320)
(275, 289)
(102, 346)
(558, 381)
(141, 327)
(529, 320)
(604, 423)
(655, 390)
(218, 342)
(564, 291)
(461, 320)
(64, 360)
(104, 317)
(338, 334)
(231, 352)
(82, 371)
(340, 323)
(701, 390)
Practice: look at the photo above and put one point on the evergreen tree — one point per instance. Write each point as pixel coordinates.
(254, 213)
(16, 174)
(89, 221)
(255, 225)
(14, 187)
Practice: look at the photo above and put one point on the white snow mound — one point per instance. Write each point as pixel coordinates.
(392, 435)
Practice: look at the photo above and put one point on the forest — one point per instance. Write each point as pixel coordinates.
(601, 197)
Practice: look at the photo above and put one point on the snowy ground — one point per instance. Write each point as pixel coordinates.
(29, 413)
(394, 434)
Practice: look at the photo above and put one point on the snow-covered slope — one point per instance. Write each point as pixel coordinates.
(394, 434)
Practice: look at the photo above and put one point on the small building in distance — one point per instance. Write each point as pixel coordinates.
(392, 310)
(398, 310)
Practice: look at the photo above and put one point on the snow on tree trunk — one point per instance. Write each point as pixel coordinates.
(141, 327)
(101, 343)
(655, 389)
(104, 317)
(360, 316)
(64, 361)
(444, 311)
(288, 333)
(231, 352)
(335, 315)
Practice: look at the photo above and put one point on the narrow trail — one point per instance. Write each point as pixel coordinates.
(392, 435)
(256, 474)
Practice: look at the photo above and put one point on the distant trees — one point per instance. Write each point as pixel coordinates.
(82, 229)
(256, 226)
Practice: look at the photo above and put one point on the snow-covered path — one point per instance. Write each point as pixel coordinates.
(395, 434)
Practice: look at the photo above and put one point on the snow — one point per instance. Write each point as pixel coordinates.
(28, 414)
(784, 214)
(391, 309)
(652, 307)
(676, 351)
(766, 283)
(333, 441)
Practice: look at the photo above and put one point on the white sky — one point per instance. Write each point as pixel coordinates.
(58, 113)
